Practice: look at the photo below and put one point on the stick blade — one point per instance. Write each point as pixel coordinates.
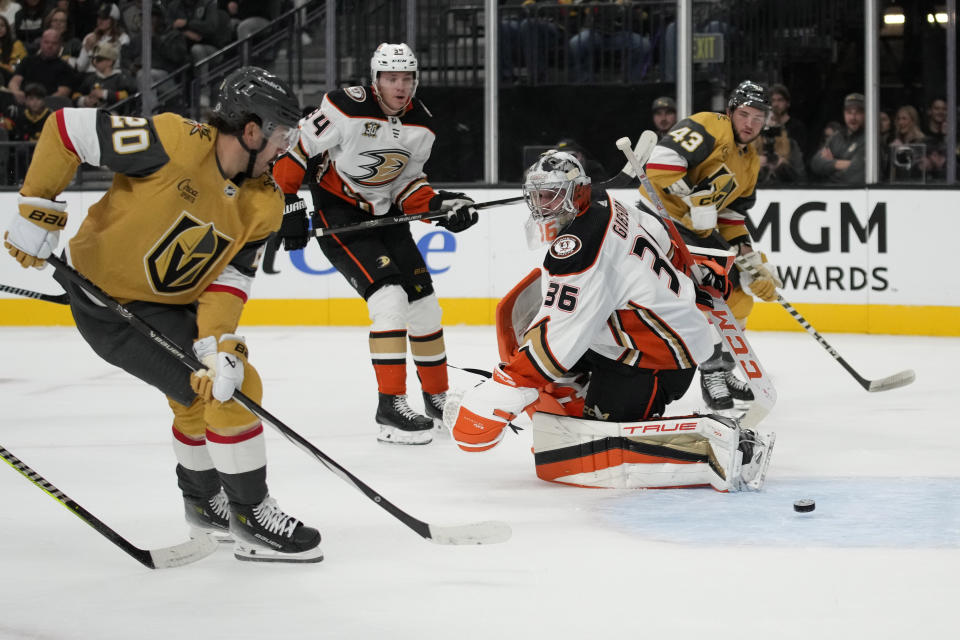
(901, 379)
(489, 532)
(183, 553)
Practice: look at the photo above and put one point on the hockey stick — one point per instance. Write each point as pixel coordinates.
(765, 396)
(383, 221)
(162, 558)
(63, 298)
(489, 532)
(894, 381)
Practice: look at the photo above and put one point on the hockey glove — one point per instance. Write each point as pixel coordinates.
(35, 233)
(701, 199)
(224, 367)
(758, 276)
(294, 230)
(486, 409)
(711, 280)
(461, 214)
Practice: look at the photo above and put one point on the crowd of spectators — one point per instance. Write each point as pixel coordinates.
(87, 53)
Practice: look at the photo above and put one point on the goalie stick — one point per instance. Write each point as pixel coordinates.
(63, 298)
(161, 558)
(489, 532)
(383, 221)
(894, 381)
(765, 396)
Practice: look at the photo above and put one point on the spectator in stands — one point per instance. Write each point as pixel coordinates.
(781, 160)
(106, 84)
(169, 51)
(249, 16)
(780, 116)
(936, 125)
(607, 30)
(842, 160)
(530, 36)
(909, 147)
(664, 115)
(44, 67)
(59, 20)
(28, 120)
(12, 50)
(28, 24)
(9, 10)
(202, 24)
(108, 30)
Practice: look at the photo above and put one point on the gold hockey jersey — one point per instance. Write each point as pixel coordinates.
(698, 148)
(171, 227)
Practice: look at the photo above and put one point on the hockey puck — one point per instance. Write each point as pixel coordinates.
(804, 506)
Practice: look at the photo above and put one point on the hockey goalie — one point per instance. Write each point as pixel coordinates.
(597, 342)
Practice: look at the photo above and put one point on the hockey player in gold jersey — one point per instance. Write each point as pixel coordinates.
(177, 239)
(705, 173)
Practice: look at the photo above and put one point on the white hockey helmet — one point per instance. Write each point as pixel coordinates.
(555, 189)
(394, 57)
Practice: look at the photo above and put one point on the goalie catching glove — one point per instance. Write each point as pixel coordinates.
(224, 367)
(294, 230)
(486, 409)
(35, 233)
(461, 214)
(758, 276)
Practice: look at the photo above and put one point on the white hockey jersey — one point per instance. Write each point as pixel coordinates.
(607, 285)
(355, 151)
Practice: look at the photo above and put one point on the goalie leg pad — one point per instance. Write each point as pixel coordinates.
(686, 451)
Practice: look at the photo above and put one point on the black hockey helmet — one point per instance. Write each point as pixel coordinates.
(252, 91)
(749, 94)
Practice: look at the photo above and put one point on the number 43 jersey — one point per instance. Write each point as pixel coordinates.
(608, 286)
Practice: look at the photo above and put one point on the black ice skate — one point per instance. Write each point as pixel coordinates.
(433, 403)
(209, 516)
(401, 424)
(264, 533)
(715, 391)
(739, 390)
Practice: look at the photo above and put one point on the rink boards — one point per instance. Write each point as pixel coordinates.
(852, 260)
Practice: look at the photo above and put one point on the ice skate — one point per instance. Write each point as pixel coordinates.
(264, 533)
(400, 424)
(434, 403)
(739, 390)
(713, 385)
(208, 516)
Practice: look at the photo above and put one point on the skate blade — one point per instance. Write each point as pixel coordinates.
(393, 435)
(251, 553)
(217, 535)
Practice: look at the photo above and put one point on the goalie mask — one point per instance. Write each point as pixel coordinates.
(556, 190)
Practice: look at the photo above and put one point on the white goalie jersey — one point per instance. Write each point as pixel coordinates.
(608, 285)
(358, 153)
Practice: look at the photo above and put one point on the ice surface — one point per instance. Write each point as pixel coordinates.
(878, 558)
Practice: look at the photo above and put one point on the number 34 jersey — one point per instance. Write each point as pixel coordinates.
(608, 286)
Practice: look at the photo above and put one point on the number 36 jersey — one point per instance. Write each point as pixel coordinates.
(608, 286)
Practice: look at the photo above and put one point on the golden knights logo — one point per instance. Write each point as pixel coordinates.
(199, 128)
(724, 182)
(370, 129)
(385, 167)
(184, 255)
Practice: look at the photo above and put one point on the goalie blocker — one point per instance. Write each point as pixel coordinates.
(665, 453)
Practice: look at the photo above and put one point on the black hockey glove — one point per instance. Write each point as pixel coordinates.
(294, 229)
(461, 213)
